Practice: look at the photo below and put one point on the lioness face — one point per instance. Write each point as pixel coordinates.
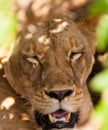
(49, 67)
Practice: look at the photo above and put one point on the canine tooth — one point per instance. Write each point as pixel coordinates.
(68, 116)
(51, 118)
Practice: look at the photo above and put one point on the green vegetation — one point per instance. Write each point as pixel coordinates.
(100, 82)
(8, 22)
(102, 34)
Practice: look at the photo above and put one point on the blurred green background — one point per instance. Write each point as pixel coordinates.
(100, 82)
(8, 22)
(8, 31)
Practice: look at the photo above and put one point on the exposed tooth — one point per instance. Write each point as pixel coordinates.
(64, 119)
(68, 115)
(51, 118)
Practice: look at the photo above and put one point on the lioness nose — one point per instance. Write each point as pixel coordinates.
(60, 95)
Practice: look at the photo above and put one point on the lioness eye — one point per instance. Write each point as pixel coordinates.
(33, 59)
(75, 55)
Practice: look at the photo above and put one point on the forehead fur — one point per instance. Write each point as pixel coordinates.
(60, 31)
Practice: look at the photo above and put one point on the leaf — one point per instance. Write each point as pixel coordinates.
(100, 81)
(99, 6)
(102, 34)
(8, 22)
(101, 114)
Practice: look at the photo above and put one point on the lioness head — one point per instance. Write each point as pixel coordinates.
(49, 66)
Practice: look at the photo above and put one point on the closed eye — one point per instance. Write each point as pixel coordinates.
(33, 59)
(75, 55)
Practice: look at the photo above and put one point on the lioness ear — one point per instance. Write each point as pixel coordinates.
(88, 25)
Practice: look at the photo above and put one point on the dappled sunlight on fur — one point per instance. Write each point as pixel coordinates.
(7, 103)
(59, 28)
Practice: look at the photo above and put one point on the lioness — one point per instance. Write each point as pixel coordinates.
(43, 83)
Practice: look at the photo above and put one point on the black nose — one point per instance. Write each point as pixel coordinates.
(60, 95)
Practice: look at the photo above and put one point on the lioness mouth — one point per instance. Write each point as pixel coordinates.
(58, 119)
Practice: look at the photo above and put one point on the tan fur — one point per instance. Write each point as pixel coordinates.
(26, 79)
